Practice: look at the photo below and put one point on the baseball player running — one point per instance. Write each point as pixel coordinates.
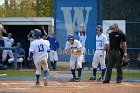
(8, 42)
(82, 39)
(100, 53)
(74, 47)
(38, 50)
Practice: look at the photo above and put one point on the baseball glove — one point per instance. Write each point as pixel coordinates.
(124, 62)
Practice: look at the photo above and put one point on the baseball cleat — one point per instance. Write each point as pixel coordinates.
(100, 79)
(45, 81)
(118, 81)
(73, 79)
(92, 78)
(78, 79)
(37, 84)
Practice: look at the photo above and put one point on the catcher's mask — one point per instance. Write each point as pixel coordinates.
(124, 61)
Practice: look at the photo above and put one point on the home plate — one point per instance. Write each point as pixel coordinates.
(3, 74)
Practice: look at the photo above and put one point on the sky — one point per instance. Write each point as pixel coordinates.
(1, 2)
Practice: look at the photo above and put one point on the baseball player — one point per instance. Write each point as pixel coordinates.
(45, 38)
(2, 30)
(20, 54)
(54, 48)
(30, 38)
(38, 49)
(8, 42)
(74, 47)
(82, 39)
(100, 53)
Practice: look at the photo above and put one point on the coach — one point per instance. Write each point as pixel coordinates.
(116, 37)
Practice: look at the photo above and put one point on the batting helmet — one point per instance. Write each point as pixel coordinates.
(99, 27)
(37, 32)
(70, 37)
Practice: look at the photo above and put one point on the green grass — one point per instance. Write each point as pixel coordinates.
(31, 73)
(17, 73)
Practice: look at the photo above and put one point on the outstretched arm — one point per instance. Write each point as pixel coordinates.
(29, 34)
(44, 31)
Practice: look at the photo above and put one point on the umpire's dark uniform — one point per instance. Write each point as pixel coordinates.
(114, 55)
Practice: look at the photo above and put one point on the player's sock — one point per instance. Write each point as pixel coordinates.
(73, 73)
(83, 65)
(94, 72)
(79, 72)
(46, 73)
(103, 72)
(54, 64)
(37, 78)
(51, 64)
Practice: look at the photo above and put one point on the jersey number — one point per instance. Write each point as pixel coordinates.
(41, 48)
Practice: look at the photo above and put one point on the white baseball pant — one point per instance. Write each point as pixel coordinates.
(41, 62)
(99, 57)
(74, 59)
(5, 53)
(53, 55)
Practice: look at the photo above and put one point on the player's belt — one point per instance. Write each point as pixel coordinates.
(99, 49)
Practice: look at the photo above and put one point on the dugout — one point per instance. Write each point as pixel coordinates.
(21, 26)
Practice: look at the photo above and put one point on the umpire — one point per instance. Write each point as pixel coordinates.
(116, 37)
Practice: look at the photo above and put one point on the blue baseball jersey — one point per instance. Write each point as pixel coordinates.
(21, 51)
(54, 44)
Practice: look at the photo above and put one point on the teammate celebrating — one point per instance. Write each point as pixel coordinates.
(82, 39)
(8, 42)
(100, 53)
(74, 47)
(54, 48)
(38, 49)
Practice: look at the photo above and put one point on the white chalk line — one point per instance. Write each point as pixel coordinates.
(3, 74)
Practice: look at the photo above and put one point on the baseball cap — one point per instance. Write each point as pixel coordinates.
(18, 44)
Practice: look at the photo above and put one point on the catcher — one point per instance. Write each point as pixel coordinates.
(74, 47)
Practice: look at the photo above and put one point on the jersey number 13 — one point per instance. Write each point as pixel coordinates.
(41, 48)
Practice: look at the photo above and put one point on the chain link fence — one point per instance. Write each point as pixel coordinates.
(125, 10)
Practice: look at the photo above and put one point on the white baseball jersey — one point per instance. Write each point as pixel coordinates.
(99, 55)
(77, 57)
(30, 39)
(39, 47)
(48, 45)
(73, 46)
(8, 42)
(82, 39)
(101, 41)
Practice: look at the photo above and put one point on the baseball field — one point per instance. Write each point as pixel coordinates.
(23, 81)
